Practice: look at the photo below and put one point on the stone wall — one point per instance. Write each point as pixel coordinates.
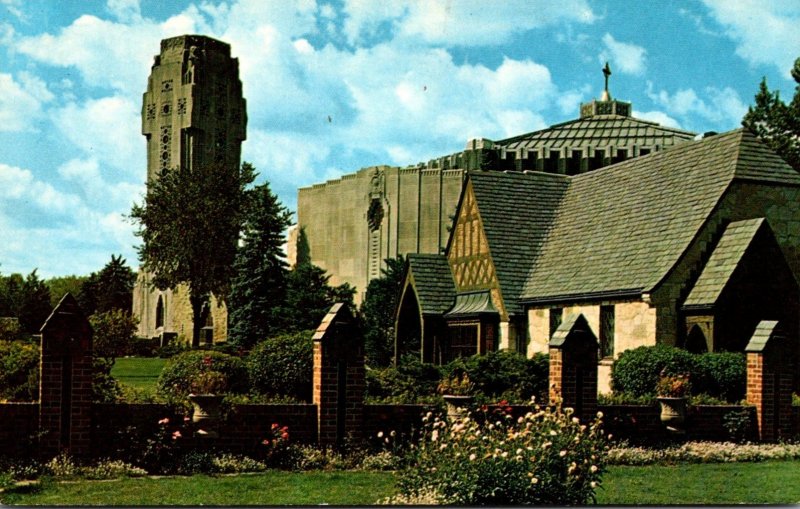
(415, 204)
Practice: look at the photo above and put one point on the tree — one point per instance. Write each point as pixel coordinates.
(378, 312)
(309, 297)
(60, 286)
(303, 249)
(110, 288)
(258, 288)
(776, 122)
(189, 223)
(27, 299)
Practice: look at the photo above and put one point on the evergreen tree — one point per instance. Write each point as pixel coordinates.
(109, 289)
(27, 299)
(776, 122)
(258, 288)
(303, 249)
(378, 311)
(62, 285)
(190, 223)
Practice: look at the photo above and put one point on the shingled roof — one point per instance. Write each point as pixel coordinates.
(517, 209)
(433, 282)
(620, 230)
(723, 261)
(600, 131)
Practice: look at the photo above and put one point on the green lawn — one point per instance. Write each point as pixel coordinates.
(270, 488)
(721, 484)
(138, 372)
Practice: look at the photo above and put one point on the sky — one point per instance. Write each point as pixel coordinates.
(336, 85)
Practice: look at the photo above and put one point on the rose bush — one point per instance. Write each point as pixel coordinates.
(545, 457)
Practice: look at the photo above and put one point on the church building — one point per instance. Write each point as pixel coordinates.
(690, 246)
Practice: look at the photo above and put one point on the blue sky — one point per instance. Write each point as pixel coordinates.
(401, 81)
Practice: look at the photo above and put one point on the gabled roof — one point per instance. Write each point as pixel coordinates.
(433, 282)
(600, 131)
(516, 209)
(723, 261)
(621, 229)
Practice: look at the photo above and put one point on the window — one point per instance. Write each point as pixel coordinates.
(556, 316)
(606, 331)
(160, 312)
(463, 341)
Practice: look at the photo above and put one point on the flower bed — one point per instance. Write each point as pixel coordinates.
(702, 452)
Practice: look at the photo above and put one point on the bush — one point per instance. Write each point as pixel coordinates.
(720, 375)
(180, 370)
(19, 371)
(546, 457)
(410, 381)
(505, 374)
(282, 366)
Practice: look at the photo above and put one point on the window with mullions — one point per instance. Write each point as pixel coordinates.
(606, 331)
(556, 316)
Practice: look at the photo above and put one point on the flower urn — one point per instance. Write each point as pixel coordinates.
(673, 412)
(206, 413)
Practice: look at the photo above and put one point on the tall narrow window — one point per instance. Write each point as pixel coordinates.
(606, 331)
(556, 315)
(160, 312)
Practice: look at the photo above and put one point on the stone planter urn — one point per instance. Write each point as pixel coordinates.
(206, 413)
(457, 406)
(673, 413)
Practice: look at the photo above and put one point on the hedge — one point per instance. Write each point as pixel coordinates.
(283, 365)
(179, 371)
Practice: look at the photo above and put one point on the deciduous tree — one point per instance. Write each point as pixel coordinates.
(378, 311)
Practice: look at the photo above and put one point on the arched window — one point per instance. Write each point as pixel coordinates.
(696, 340)
(160, 312)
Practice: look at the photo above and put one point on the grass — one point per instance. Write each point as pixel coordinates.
(139, 372)
(270, 488)
(772, 482)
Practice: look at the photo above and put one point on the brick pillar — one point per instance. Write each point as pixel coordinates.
(573, 367)
(770, 364)
(65, 387)
(339, 377)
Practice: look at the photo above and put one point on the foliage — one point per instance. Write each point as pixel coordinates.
(180, 370)
(673, 386)
(303, 256)
(776, 122)
(546, 457)
(208, 382)
(411, 381)
(105, 388)
(737, 424)
(27, 299)
(155, 448)
(10, 329)
(189, 224)
(109, 289)
(456, 385)
(506, 374)
(623, 398)
(60, 286)
(282, 365)
(171, 349)
(258, 287)
(309, 297)
(717, 374)
(702, 452)
(378, 311)
(19, 371)
(64, 467)
(114, 332)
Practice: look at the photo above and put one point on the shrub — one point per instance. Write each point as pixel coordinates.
(410, 381)
(546, 457)
(282, 366)
(637, 371)
(180, 370)
(717, 374)
(721, 374)
(505, 374)
(19, 371)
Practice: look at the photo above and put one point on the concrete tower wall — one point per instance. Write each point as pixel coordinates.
(193, 115)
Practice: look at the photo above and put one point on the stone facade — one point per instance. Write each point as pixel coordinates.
(193, 114)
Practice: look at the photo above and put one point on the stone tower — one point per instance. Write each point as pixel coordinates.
(193, 114)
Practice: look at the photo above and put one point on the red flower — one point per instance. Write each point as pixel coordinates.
(285, 435)
(208, 361)
(275, 425)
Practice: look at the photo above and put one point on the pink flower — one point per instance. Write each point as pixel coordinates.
(275, 425)
(164, 421)
(285, 435)
(176, 435)
(265, 442)
(186, 419)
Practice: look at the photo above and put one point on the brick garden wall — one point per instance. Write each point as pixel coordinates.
(19, 424)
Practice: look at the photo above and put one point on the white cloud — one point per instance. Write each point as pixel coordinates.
(625, 57)
(103, 194)
(657, 116)
(107, 129)
(126, 11)
(21, 101)
(15, 8)
(459, 22)
(766, 32)
(722, 107)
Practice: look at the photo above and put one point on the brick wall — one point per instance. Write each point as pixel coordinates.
(247, 425)
(19, 424)
(405, 420)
